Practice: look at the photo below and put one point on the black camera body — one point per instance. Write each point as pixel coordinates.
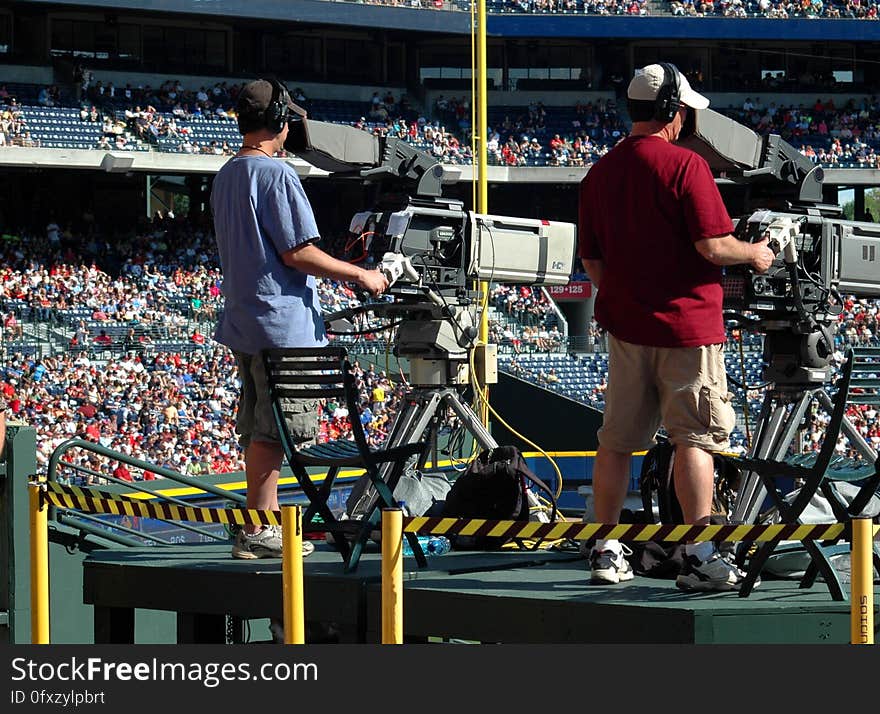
(820, 256)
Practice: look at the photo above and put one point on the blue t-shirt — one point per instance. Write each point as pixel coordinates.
(261, 212)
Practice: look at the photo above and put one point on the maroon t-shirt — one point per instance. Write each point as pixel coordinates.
(642, 207)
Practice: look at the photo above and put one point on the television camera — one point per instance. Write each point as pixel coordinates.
(820, 257)
(429, 247)
(820, 254)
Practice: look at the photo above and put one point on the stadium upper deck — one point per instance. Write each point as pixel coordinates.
(548, 49)
(524, 18)
(557, 53)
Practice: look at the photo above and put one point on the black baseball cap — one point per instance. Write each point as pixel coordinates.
(255, 97)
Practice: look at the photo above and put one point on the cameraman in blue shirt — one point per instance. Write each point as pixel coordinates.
(266, 234)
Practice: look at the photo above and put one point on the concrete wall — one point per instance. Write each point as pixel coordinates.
(26, 74)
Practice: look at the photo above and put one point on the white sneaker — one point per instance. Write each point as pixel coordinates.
(265, 543)
(609, 567)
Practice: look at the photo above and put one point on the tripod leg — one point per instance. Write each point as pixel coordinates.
(773, 444)
(751, 491)
(412, 421)
(410, 424)
(848, 428)
(468, 418)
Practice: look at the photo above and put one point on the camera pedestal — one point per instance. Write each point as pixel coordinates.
(782, 413)
(424, 410)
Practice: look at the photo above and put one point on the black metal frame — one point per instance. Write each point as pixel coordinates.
(319, 373)
(769, 466)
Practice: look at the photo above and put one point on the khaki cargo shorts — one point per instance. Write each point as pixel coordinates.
(682, 388)
(256, 420)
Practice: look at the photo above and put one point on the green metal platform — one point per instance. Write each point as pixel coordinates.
(510, 596)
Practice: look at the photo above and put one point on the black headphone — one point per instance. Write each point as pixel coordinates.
(668, 100)
(277, 112)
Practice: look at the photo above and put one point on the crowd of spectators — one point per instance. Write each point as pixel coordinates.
(429, 136)
(13, 125)
(526, 321)
(524, 303)
(776, 9)
(163, 118)
(131, 118)
(166, 408)
(378, 401)
(167, 273)
(862, 416)
(524, 138)
(171, 408)
(859, 323)
(187, 103)
(631, 8)
(858, 327)
(418, 4)
(825, 133)
(144, 117)
(526, 338)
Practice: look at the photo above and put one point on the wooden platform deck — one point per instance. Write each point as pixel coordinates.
(523, 597)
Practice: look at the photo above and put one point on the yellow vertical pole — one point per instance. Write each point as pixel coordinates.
(862, 583)
(39, 566)
(392, 576)
(480, 129)
(292, 575)
(481, 102)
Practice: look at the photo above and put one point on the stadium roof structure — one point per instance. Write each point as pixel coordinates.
(308, 11)
(516, 24)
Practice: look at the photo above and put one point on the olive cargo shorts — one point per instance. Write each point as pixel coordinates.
(682, 388)
(256, 420)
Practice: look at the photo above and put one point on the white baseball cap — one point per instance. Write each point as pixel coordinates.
(647, 81)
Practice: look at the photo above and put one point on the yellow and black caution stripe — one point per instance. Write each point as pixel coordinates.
(630, 532)
(95, 501)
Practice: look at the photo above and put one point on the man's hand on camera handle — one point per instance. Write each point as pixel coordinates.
(763, 257)
(373, 281)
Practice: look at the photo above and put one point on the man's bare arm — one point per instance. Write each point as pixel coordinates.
(728, 250)
(310, 259)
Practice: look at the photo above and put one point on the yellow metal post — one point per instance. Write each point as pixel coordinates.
(481, 158)
(39, 566)
(292, 575)
(862, 582)
(392, 576)
(481, 102)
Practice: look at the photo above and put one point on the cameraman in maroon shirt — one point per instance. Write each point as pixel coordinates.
(653, 236)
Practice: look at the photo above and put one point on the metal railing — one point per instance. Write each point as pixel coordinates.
(118, 533)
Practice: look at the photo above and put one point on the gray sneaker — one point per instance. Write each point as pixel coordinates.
(715, 574)
(266, 543)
